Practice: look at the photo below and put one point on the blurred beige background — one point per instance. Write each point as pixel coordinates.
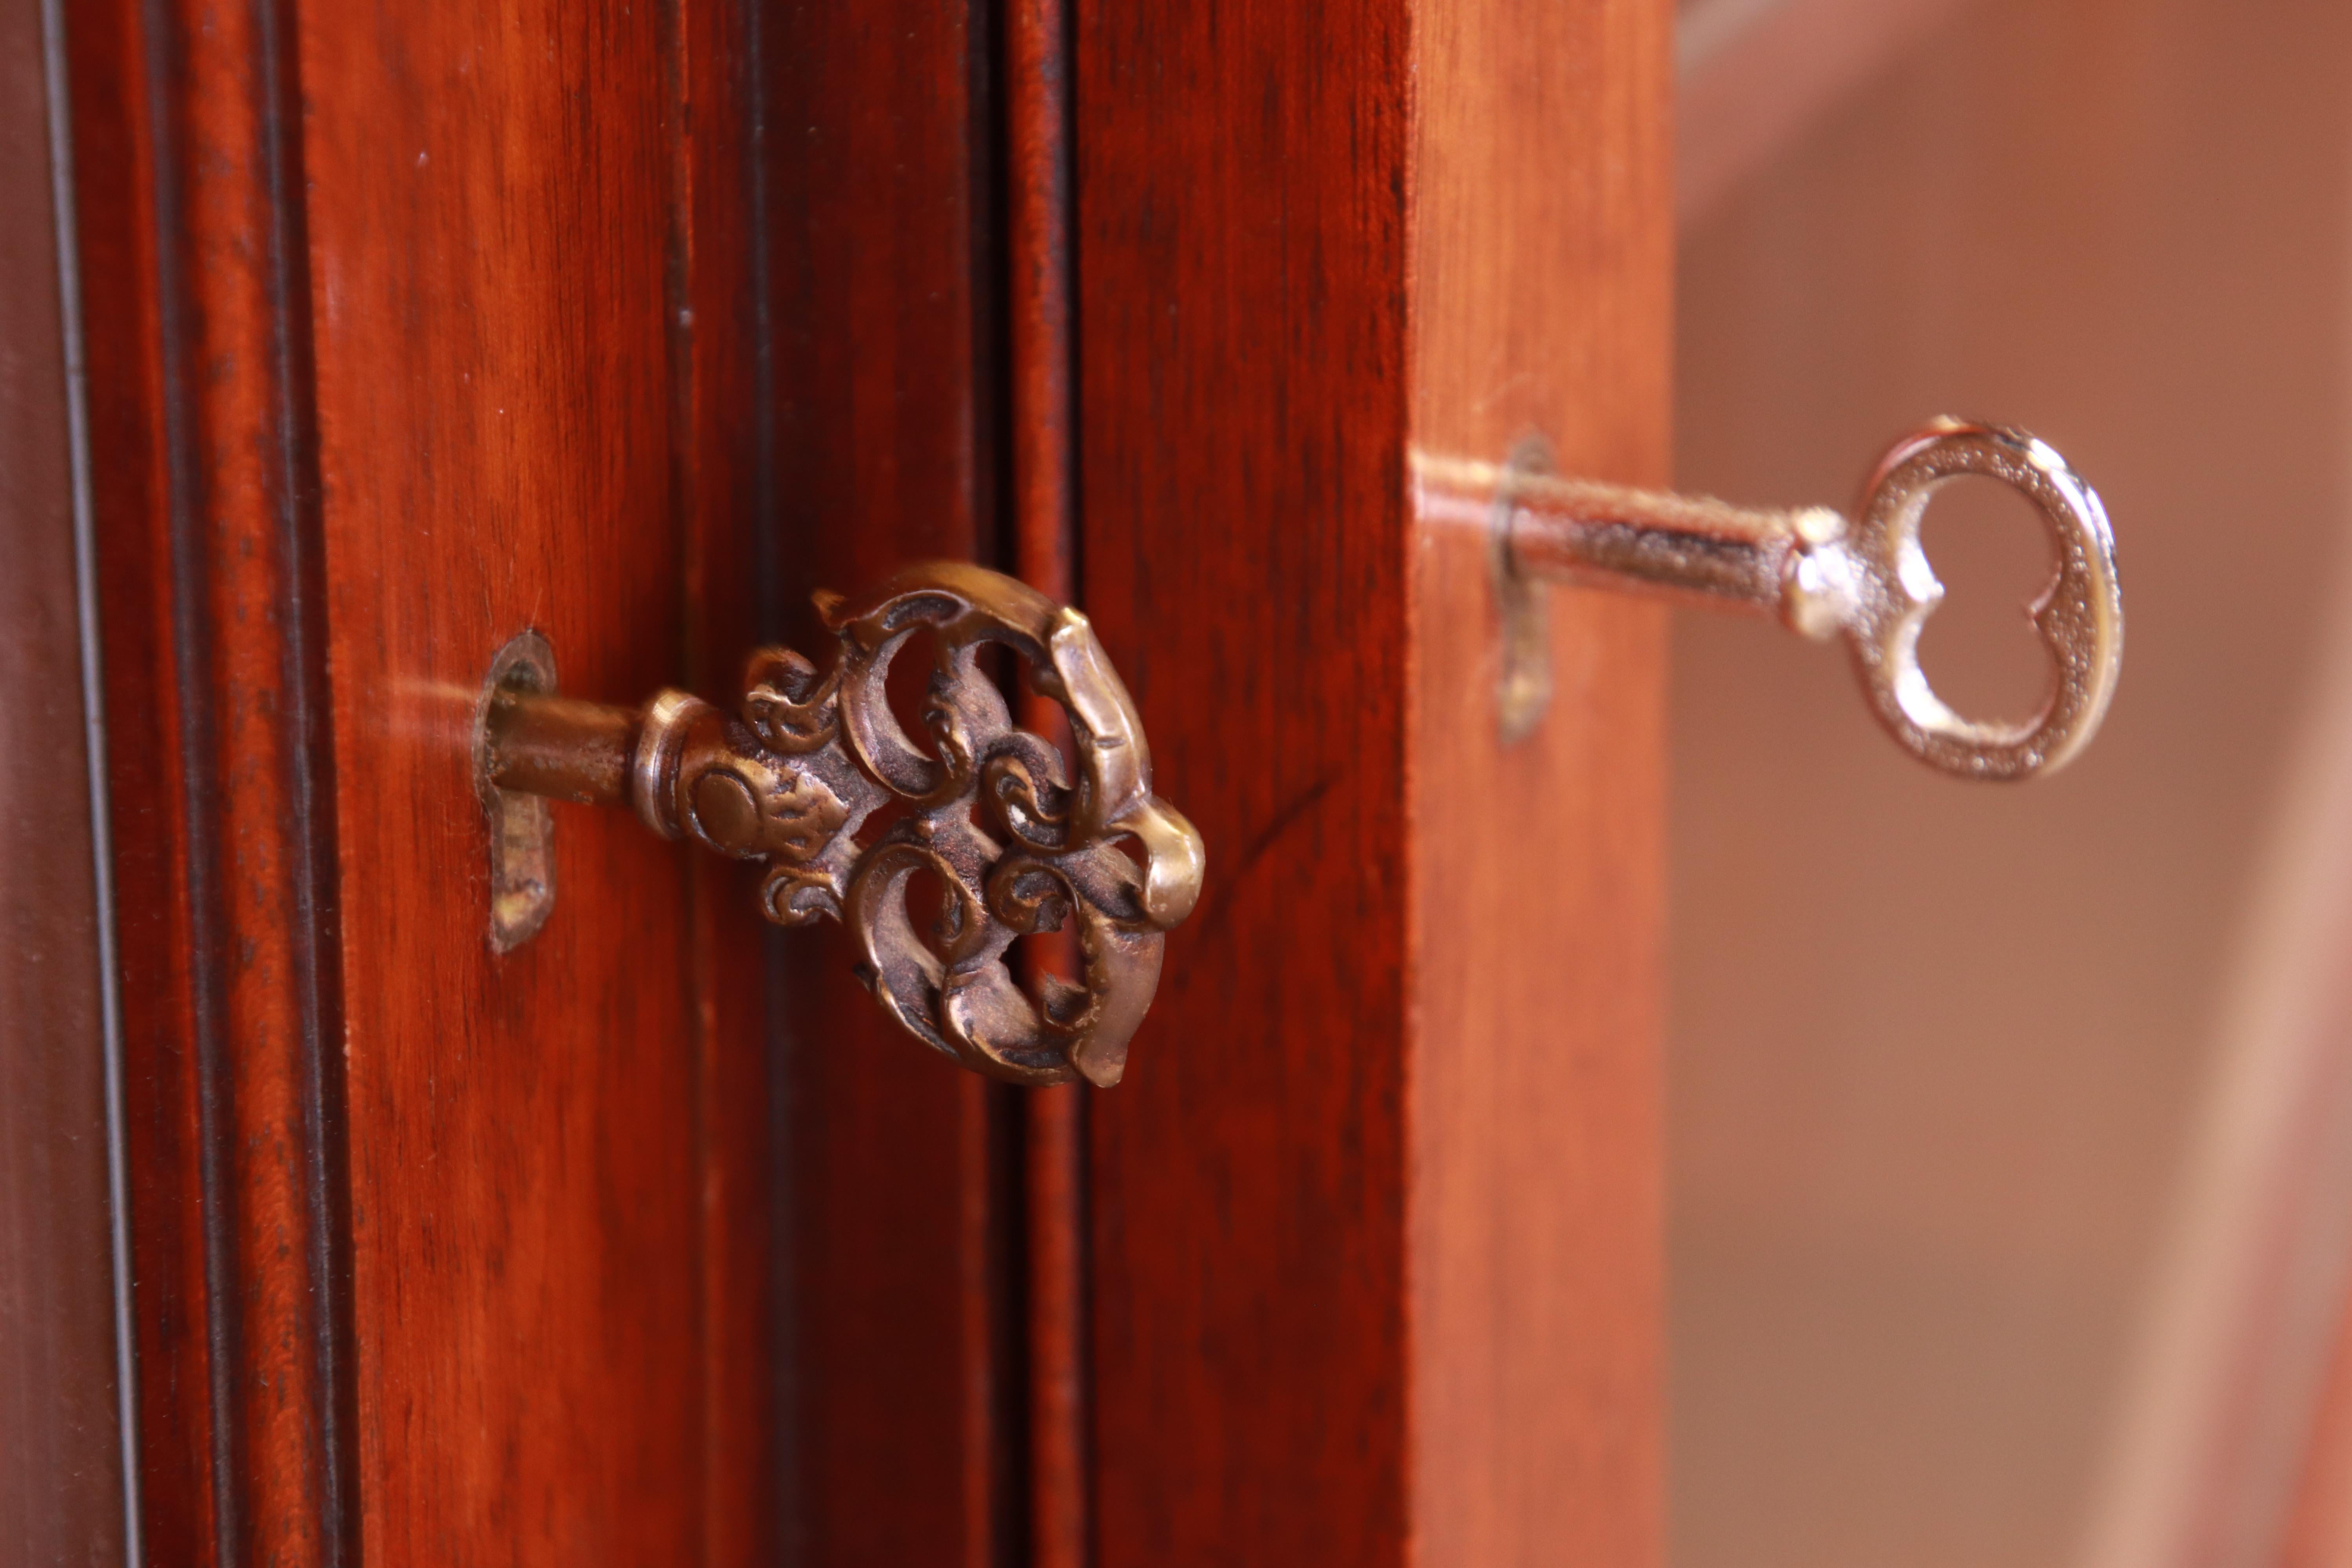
(1980, 1094)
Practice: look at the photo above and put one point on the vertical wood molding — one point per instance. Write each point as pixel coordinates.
(531, 1310)
(1372, 1227)
(1042, 431)
(575, 373)
(1543, 268)
(189, 135)
(723, 503)
(1377, 1214)
(887, 450)
(1242, 250)
(112, 131)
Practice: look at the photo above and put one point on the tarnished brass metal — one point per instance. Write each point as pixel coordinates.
(522, 831)
(989, 810)
(1823, 575)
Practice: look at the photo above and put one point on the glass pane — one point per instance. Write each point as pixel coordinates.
(2005, 1225)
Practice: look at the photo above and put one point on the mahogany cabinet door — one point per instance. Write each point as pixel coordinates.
(414, 327)
(1376, 1218)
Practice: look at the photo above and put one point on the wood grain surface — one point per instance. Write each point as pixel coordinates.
(498, 452)
(888, 449)
(1376, 1215)
(651, 1241)
(186, 143)
(420, 369)
(1041, 447)
(533, 319)
(1542, 265)
(114, 130)
(723, 478)
(1241, 242)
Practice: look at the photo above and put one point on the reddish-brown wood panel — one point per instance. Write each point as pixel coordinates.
(515, 431)
(113, 133)
(722, 398)
(1541, 301)
(531, 1311)
(1241, 249)
(897, 1165)
(633, 328)
(1376, 1216)
(1041, 432)
(187, 154)
(598, 352)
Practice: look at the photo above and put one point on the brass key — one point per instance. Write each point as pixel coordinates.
(1824, 574)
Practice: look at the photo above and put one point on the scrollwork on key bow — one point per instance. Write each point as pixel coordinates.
(988, 809)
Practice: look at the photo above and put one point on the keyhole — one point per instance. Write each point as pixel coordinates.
(1992, 553)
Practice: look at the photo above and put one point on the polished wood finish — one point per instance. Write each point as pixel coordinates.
(723, 479)
(421, 370)
(1241, 232)
(651, 1240)
(543, 1365)
(553, 1291)
(1542, 262)
(206, 505)
(1041, 441)
(898, 1260)
(61, 1472)
(112, 129)
(1376, 1243)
